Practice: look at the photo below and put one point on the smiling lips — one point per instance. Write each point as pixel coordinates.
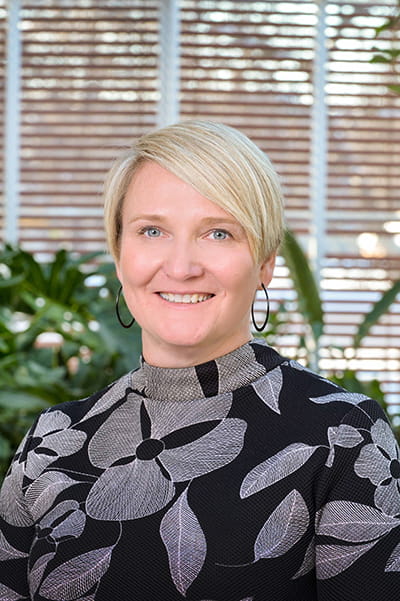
(185, 298)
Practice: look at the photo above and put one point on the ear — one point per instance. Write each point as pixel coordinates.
(117, 270)
(267, 270)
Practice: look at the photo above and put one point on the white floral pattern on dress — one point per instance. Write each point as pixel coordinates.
(141, 468)
(380, 463)
(54, 438)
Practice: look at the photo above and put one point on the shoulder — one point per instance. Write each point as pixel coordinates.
(62, 429)
(325, 395)
(95, 404)
(308, 400)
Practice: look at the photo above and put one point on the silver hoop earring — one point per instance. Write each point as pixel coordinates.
(124, 325)
(257, 327)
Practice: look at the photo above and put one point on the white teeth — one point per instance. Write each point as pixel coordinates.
(184, 298)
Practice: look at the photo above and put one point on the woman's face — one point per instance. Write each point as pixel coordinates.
(187, 272)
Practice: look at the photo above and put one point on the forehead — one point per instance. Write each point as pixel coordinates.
(151, 179)
(154, 189)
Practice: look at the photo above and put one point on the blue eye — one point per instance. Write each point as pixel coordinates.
(220, 234)
(151, 232)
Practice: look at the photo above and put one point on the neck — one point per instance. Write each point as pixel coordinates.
(188, 356)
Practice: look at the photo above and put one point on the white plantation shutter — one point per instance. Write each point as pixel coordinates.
(90, 84)
(363, 190)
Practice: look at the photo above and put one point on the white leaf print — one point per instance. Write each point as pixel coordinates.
(42, 493)
(387, 497)
(269, 387)
(393, 563)
(51, 421)
(206, 454)
(63, 443)
(76, 576)
(58, 511)
(348, 397)
(354, 522)
(7, 551)
(118, 436)
(72, 526)
(284, 527)
(276, 468)
(112, 396)
(382, 436)
(308, 563)
(12, 506)
(128, 492)
(37, 463)
(342, 436)
(184, 540)
(7, 594)
(334, 559)
(168, 417)
(37, 571)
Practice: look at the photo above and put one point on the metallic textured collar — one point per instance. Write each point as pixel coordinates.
(224, 374)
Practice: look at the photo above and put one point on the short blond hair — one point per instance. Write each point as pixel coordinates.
(218, 161)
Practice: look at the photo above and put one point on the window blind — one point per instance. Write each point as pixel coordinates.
(363, 191)
(89, 86)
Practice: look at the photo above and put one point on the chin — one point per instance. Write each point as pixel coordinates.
(186, 342)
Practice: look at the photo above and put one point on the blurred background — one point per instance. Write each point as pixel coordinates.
(315, 84)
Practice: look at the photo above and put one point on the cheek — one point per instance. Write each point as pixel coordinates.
(133, 272)
(242, 281)
(244, 272)
(130, 255)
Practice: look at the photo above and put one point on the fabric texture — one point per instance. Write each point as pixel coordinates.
(247, 478)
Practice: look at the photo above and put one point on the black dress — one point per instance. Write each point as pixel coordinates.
(248, 478)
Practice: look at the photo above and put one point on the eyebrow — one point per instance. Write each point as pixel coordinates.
(208, 221)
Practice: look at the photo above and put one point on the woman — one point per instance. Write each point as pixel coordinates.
(218, 470)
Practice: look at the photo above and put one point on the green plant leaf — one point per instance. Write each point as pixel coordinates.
(4, 448)
(11, 282)
(56, 275)
(88, 258)
(17, 400)
(379, 309)
(308, 298)
(380, 58)
(390, 23)
(35, 279)
(73, 280)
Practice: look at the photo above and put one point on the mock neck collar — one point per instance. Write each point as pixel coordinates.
(224, 374)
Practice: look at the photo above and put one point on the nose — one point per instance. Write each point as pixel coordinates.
(182, 261)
